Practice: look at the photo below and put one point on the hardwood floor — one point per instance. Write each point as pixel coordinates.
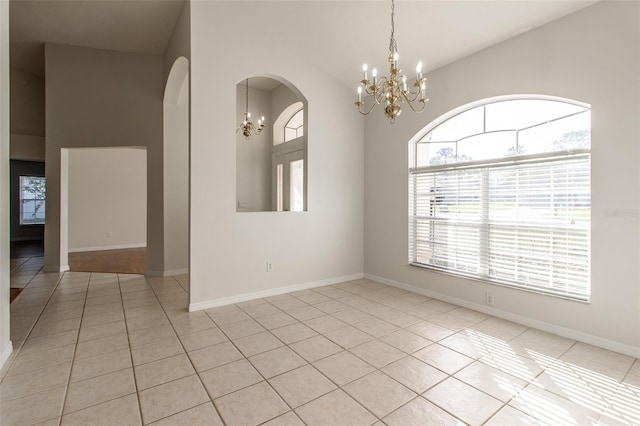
(124, 261)
(26, 249)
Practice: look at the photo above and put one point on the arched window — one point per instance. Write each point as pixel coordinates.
(295, 126)
(502, 192)
(290, 124)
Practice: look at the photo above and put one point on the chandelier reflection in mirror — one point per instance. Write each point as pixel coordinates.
(393, 90)
(247, 125)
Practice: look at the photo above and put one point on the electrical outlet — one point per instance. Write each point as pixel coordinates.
(489, 299)
(108, 234)
(269, 266)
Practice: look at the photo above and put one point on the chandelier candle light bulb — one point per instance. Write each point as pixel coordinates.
(392, 90)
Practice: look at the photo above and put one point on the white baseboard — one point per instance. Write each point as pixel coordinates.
(175, 272)
(6, 353)
(55, 268)
(271, 292)
(171, 273)
(102, 248)
(520, 319)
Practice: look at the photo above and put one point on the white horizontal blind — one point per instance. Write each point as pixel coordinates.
(523, 222)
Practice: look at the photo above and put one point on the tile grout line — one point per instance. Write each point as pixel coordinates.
(19, 349)
(75, 349)
(185, 352)
(37, 318)
(338, 387)
(133, 368)
(250, 363)
(99, 375)
(420, 395)
(291, 409)
(554, 360)
(529, 382)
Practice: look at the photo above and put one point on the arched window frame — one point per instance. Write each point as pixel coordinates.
(280, 124)
(497, 246)
(299, 130)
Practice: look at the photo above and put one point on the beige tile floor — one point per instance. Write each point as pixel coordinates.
(122, 350)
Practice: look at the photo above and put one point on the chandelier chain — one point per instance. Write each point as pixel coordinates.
(246, 108)
(247, 127)
(393, 47)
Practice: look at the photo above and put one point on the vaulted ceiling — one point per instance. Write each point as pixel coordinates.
(337, 36)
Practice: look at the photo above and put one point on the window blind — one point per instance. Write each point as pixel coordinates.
(522, 221)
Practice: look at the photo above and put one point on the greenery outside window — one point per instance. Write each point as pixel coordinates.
(32, 200)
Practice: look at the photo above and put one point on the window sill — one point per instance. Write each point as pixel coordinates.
(585, 300)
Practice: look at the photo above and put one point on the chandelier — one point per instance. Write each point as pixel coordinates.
(395, 89)
(247, 125)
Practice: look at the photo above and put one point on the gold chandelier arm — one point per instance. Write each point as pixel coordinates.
(361, 104)
(415, 96)
(423, 103)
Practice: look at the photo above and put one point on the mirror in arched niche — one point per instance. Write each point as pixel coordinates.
(271, 167)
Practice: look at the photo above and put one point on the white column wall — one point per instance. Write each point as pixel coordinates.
(176, 121)
(176, 173)
(229, 250)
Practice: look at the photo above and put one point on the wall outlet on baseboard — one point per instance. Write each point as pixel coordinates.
(108, 234)
(269, 266)
(489, 299)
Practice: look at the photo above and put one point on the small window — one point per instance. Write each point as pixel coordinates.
(294, 127)
(32, 200)
(502, 192)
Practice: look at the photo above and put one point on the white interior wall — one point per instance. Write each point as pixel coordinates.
(176, 105)
(281, 98)
(253, 155)
(100, 98)
(107, 198)
(229, 250)
(176, 169)
(5, 343)
(591, 56)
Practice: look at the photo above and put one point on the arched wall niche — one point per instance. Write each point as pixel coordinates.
(271, 170)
